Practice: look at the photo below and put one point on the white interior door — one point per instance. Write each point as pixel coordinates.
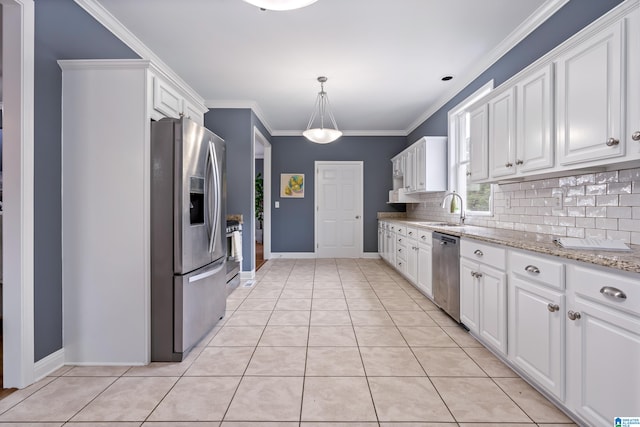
(338, 190)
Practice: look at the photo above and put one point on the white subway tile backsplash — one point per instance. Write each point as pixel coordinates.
(596, 212)
(602, 205)
(609, 200)
(619, 188)
(607, 223)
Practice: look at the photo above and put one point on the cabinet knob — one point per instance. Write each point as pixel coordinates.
(636, 135)
(519, 162)
(508, 164)
(410, 233)
(476, 274)
(573, 315)
(612, 141)
(478, 252)
(400, 250)
(473, 274)
(423, 237)
(553, 307)
(532, 269)
(468, 173)
(612, 292)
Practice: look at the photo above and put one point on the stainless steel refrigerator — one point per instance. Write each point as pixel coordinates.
(188, 244)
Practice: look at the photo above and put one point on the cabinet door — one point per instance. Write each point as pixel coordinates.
(412, 262)
(479, 142)
(409, 170)
(502, 133)
(536, 333)
(166, 99)
(424, 269)
(492, 310)
(421, 166)
(534, 142)
(469, 295)
(602, 361)
(632, 135)
(589, 85)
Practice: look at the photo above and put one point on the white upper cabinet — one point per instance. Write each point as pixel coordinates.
(632, 135)
(502, 133)
(534, 120)
(589, 98)
(479, 136)
(422, 167)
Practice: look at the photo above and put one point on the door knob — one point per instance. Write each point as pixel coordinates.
(573, 315)
(636, 135)
(612, 141)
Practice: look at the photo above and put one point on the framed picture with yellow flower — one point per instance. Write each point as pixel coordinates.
(292, 185)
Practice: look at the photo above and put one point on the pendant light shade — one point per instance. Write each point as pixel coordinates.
(281, 4)
(322, 135)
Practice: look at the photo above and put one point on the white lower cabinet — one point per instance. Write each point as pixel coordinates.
(424, 281)
(483, 293)
(603, 344)
(536, 319)
(411, 272)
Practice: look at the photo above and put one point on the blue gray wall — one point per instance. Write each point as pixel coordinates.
(235, 126)
(63, 30)
(570, 19)
(292, 225)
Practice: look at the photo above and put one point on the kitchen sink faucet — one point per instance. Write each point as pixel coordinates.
(453, 195)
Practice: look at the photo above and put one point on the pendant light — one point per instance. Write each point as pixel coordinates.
(281, 4)
(322, 135)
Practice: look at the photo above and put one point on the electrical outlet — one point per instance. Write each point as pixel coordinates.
(277, 204)
(507, 202)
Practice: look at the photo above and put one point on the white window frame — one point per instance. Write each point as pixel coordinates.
(457, 164)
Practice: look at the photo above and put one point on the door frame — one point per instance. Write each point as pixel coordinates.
(360, 165)
(18, 191)
(259, 138)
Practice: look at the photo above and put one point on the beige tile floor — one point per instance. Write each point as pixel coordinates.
(345, 343)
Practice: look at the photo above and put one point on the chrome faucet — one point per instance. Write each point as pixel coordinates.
(453, 196)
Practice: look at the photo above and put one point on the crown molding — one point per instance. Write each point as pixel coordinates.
(241, 103)
(111, 23)
(543, 13)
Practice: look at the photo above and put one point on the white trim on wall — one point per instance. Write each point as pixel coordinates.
(49, 364)
(259, 138)
(18, 192)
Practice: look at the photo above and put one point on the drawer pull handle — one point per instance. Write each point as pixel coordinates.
(478, 252)
(573, 315)
(532, 269)
(613, 292)
(410, 233)
(423, 237)
(612, 141)
(553, 307)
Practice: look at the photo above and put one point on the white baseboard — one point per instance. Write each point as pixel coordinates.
(371, 255)
(247, 275)
(49, 364)
(312, 255)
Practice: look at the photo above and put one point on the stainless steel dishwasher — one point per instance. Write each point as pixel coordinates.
(446, 273)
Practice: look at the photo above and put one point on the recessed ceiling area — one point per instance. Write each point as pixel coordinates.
(385, 59)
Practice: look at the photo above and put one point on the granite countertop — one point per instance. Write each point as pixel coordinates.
(536, 242)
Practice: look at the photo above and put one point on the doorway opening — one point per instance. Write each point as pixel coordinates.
(261, 218)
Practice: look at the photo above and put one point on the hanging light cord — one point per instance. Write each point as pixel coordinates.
(322, 102)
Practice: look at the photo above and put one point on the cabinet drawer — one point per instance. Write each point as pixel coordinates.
(424, 236)
(412, 233)
(483, 253)
(401, 229)
(615, 290)
(537, 269)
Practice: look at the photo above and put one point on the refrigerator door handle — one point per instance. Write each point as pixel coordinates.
(214, 171)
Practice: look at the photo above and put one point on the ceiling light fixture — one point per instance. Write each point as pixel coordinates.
(281, 4)
(322, 135)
